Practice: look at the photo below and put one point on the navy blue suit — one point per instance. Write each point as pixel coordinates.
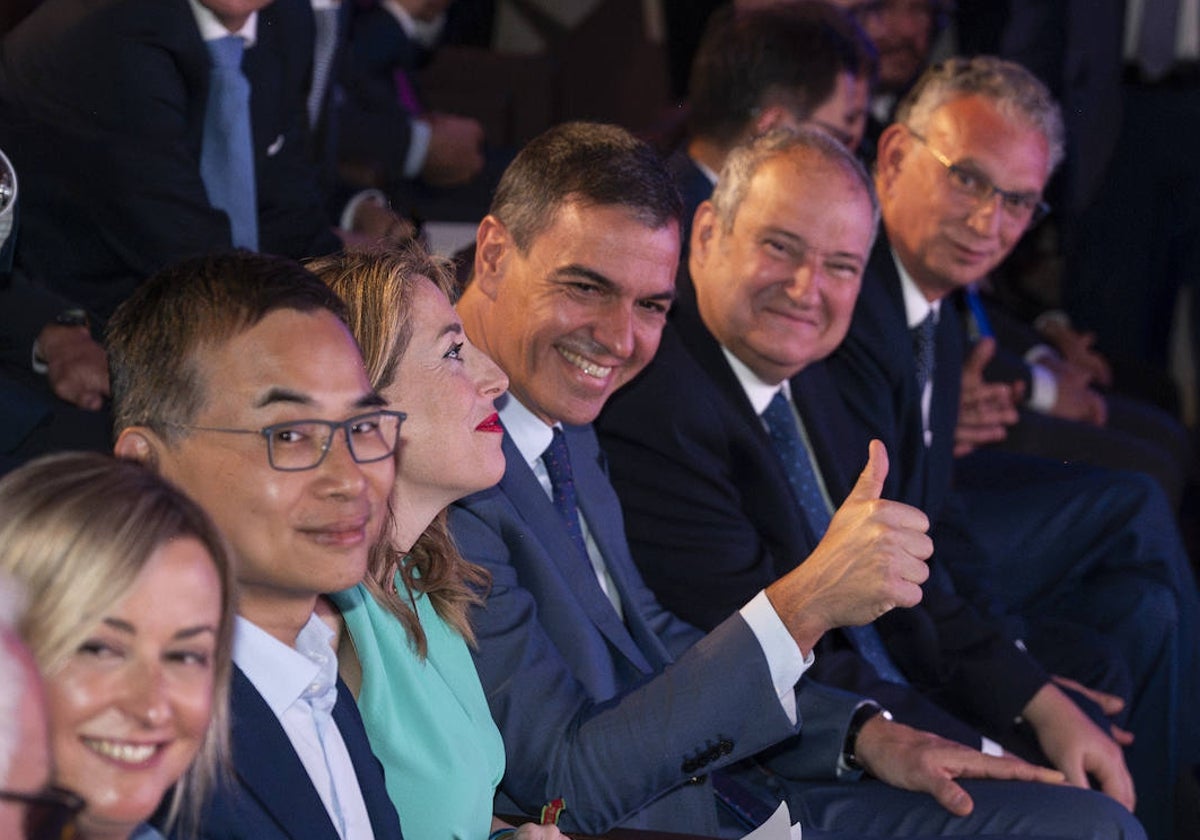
(622, 719)
(271, 796)
(1062, 552)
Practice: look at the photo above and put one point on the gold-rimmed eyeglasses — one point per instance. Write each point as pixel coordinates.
(298, 445)
(1024, 208)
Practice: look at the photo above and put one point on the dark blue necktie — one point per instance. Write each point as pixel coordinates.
(562, 481)
(227, 151)
(802, 475)
(923, 346)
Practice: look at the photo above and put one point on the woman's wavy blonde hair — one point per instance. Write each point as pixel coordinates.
(76, 530)
(377, 288)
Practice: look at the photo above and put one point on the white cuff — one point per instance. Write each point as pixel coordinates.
(418, 147)
(348, 212)
(784, 659)
(1043, 391)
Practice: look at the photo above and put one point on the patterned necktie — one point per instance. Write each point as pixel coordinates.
(324, 51)
(562, 481)
(321, 696)
(227, 151)
(797, 462)
(923, 346)
(1156, 38)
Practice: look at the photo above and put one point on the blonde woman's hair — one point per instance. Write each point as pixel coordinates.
(377, 288)
(76, 529)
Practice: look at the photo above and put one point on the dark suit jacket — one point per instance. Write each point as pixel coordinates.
(694, 188)
(620, 719)
(110, 97)
(875, 371)
(712, 519)
(271, 797)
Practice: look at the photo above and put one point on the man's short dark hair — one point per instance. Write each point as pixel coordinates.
(592, 163)
(788, 55)
(154, 336)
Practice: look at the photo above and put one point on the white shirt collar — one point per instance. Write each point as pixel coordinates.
(759, 393)
(529, 433)
(280, 673)
(916, 307)
(708, 173)
(211, 29)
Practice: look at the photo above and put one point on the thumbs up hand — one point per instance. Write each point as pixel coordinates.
(870, 560)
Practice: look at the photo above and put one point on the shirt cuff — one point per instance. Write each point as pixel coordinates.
(990, 747)
(784, 659)
(347, 220)
(420, 132)
(1043, 391)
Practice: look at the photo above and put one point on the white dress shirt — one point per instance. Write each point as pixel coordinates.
(281, 675)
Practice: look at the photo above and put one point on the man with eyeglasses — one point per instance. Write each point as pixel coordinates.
(236, 377)
(1071, 556)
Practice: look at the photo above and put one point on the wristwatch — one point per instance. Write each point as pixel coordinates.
(66, 318)
(867, 710)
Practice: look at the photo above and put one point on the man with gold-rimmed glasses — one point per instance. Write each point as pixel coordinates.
(1085, 563)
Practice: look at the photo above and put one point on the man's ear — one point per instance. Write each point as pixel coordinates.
(139, 443)
(893, 146)
(772, 117)
(493, 247)
(704, 232)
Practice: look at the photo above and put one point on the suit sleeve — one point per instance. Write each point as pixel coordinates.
(561, 742)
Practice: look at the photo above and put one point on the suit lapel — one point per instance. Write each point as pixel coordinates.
(385, 824)
(775, 508)
(269, 769)
(602, 509)
(527, 496)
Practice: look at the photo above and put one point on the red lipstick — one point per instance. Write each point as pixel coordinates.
(491, 424)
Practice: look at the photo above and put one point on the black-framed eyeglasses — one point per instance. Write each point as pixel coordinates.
(1024, 208)
(298, 445)
(48, 812)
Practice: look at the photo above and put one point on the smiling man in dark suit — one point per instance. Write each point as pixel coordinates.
(960, 176)
(236, 378)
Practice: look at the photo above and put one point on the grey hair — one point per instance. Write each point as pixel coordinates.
(12, 672)
(745, 160)
(1017, 93)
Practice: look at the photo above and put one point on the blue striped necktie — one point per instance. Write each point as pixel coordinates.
(227, 150)
(797, 462)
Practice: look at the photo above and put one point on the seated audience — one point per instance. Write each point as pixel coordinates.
(706, 449)
(130, 620)
(407, 659)
(603, 697)
(235, 376)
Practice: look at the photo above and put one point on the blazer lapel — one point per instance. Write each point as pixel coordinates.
(535, 507)
(777, 510)
(269, 769)
(384, 821)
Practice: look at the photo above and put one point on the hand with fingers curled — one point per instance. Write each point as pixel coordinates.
(871, 559)
(986, 409)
